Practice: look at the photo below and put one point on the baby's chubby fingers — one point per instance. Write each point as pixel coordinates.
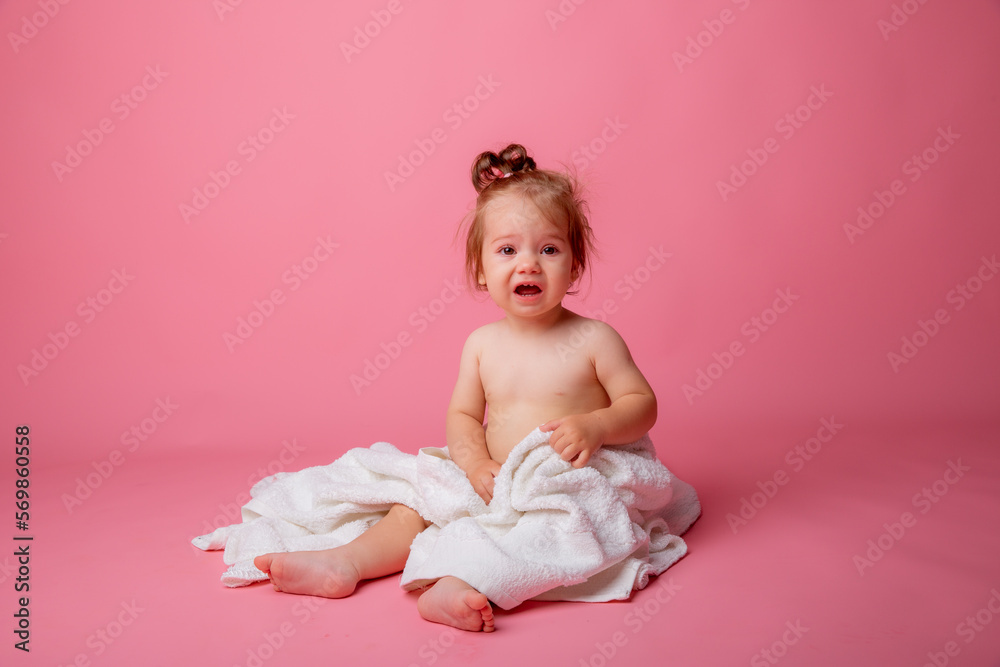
(483, 491)
(573, 453)
(562, 434)
(485, 488)
(574, 438)
(481, 478)
(550, 425)
(564, 445)
(557, 439)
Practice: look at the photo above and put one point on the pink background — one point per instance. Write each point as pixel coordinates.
(605, 90)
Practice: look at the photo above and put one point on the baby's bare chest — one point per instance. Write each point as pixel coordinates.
(512, 373)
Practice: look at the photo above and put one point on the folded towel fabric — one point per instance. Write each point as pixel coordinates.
(551, 532)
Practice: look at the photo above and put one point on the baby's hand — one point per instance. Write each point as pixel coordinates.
(481, 476)
(576, 437)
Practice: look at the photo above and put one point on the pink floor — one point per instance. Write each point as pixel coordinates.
(117, 576)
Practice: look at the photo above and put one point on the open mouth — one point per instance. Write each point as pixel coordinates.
(527, 289)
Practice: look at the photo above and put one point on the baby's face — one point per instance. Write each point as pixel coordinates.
(527, 260)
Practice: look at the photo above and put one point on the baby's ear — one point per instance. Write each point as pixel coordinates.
(482, 280)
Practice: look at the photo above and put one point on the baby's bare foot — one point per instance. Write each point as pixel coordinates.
(453, 602)
(327, 573)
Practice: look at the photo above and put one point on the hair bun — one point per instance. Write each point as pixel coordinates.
(489, 166)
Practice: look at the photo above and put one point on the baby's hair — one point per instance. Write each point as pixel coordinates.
(557, 195)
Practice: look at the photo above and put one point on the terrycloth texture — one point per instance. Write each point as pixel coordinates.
(551, 532)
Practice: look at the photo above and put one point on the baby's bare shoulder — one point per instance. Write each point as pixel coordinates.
(596, 332)
(481, 338)
(485, 333)
(602, 343)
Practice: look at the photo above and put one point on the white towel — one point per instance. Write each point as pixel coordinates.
(551, 532)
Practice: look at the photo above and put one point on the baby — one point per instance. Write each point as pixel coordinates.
(528, 244)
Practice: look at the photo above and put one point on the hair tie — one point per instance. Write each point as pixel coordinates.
(508, 174)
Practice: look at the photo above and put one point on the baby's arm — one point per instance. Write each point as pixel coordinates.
(633, 405)
(464, 426)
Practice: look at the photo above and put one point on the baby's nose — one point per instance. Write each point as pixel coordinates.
(528, 262)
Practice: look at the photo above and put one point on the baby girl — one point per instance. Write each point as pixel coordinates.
(528, 245)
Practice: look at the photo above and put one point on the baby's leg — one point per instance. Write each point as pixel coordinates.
(334, 573)
(453, 602)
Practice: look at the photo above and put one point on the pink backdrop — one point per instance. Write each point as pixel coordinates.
(607, 90)
(216, 214)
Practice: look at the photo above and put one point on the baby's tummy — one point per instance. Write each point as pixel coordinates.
(509, 423)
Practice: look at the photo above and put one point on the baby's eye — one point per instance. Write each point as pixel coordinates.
(506, 250)
(550, 250)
